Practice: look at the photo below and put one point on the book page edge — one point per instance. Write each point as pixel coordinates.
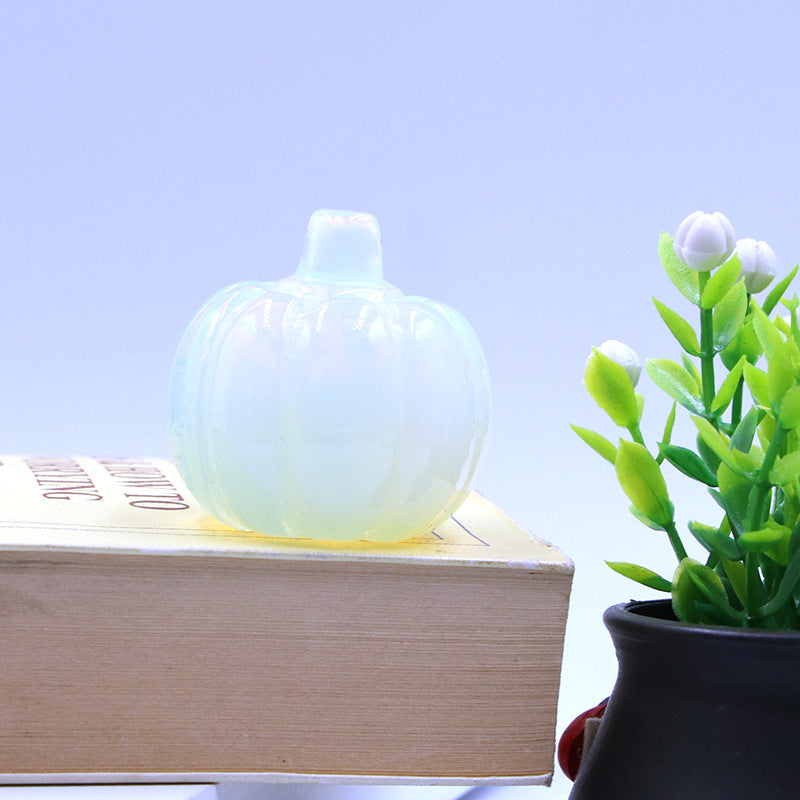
(87, 778)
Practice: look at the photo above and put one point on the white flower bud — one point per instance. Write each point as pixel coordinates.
(624, 356)
(704, 241)
(759, 264)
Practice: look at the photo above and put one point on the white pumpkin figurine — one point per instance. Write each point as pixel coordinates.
(328, 404)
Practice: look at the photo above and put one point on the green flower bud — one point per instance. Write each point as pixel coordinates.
(624, 356)
(609, 383)
(641, 479)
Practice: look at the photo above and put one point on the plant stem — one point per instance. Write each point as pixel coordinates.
(758, 516)
(736, 407)
(752, 584)
(707, 349)
(636, 434)
(675, 541)
(759, 511)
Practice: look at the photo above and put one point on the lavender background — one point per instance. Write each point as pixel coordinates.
(521, 157)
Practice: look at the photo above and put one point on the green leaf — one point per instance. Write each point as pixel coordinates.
(711, 459)
(786, 588)
(611, 388)
(684, 278)
(794, 541)
(734, 490)
(758, 383)
(741, 463)
(780, 381)
(641, 575)
(729, 316)
(721, 613)
(770, 577)
(783, 326)
(777, 292)
(736, 572)
(742, 437)
(693, 585)
(680, 328)
(766, 430)
(779, 551)
(786, 469)
(676, 382)
(720, 282)
(792, 304)
(597, 442)
(691, 368)
(744, 343)
(715, 541)
(670, 423)
(642, 481)
(768, 334)
(789, 414)
(716, 606)
(728, 388)
(646, 521)
(794, 329)
(764, 539)
(781, 355)
(689, 463)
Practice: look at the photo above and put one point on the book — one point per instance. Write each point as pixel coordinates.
(142, 641)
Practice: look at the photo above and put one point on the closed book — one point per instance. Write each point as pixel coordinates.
(142, 641)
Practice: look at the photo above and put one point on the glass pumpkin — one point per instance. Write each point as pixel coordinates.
(328, 404)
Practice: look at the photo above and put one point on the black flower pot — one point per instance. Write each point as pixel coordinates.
(697, 712)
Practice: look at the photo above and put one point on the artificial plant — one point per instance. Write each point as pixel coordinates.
(739, 382)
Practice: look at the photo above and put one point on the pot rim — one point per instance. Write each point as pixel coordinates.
(634, 620)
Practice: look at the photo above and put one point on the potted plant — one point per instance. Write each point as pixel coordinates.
(707, 700)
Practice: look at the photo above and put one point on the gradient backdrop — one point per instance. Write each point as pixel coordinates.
(521, 157)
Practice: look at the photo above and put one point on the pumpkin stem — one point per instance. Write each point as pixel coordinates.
(342, 247)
